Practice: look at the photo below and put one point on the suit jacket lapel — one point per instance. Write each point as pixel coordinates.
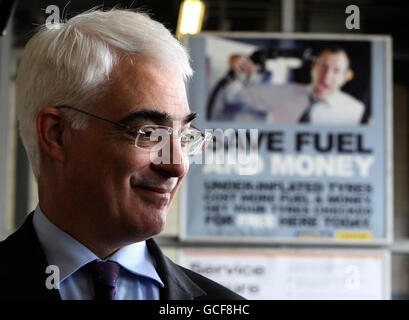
(178, 286)
(23, 275)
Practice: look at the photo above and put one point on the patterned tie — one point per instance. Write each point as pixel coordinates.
(105, 274)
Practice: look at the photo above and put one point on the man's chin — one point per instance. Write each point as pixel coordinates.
(149, 226)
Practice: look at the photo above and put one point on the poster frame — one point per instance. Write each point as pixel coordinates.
(388, 161)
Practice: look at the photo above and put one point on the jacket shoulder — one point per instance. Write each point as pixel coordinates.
(23, 266)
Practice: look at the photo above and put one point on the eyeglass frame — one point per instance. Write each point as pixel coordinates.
(206, 135)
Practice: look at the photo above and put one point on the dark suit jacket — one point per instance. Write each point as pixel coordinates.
(23, 276)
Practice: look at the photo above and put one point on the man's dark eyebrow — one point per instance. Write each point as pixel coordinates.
(147, 115)
(155, 116)
(190, 117)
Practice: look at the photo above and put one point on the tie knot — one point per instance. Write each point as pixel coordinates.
(105, 273)
(314, 100)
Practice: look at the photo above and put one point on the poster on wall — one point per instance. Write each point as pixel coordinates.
(301, 147)
(297, 274)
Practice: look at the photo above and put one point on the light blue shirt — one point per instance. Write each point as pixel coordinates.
(138, 279)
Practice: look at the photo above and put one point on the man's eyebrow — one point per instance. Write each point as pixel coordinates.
(148, 115)
(156, 116)
(190, 117)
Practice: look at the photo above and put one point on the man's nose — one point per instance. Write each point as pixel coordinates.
(173, 159)
(325, 76)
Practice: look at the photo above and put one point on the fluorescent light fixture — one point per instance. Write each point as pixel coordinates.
(190, 17)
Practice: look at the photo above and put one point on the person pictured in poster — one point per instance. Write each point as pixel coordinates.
(247, 93)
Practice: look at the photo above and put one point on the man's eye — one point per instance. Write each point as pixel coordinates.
(148, 133)
(187, 138)
(154, 134)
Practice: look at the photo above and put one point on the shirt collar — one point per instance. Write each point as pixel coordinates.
(328, 101)
(70, 255)
(334, 97)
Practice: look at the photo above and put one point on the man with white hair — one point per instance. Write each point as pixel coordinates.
(104, 117)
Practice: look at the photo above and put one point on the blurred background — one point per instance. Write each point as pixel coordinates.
(377, 17)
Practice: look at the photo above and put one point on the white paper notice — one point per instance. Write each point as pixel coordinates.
(293, 275)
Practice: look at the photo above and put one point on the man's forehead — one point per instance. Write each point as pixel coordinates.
(338, 57)
(144, 89)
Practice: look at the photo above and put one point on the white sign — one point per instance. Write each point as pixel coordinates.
(268, 275)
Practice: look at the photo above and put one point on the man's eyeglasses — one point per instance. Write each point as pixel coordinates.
(153, 137)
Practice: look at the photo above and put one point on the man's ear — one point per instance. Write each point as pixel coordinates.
(313, 65)
(349, 75)
(50, 128)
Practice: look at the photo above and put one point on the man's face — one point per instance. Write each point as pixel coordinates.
(123, 192)
(329, 73)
